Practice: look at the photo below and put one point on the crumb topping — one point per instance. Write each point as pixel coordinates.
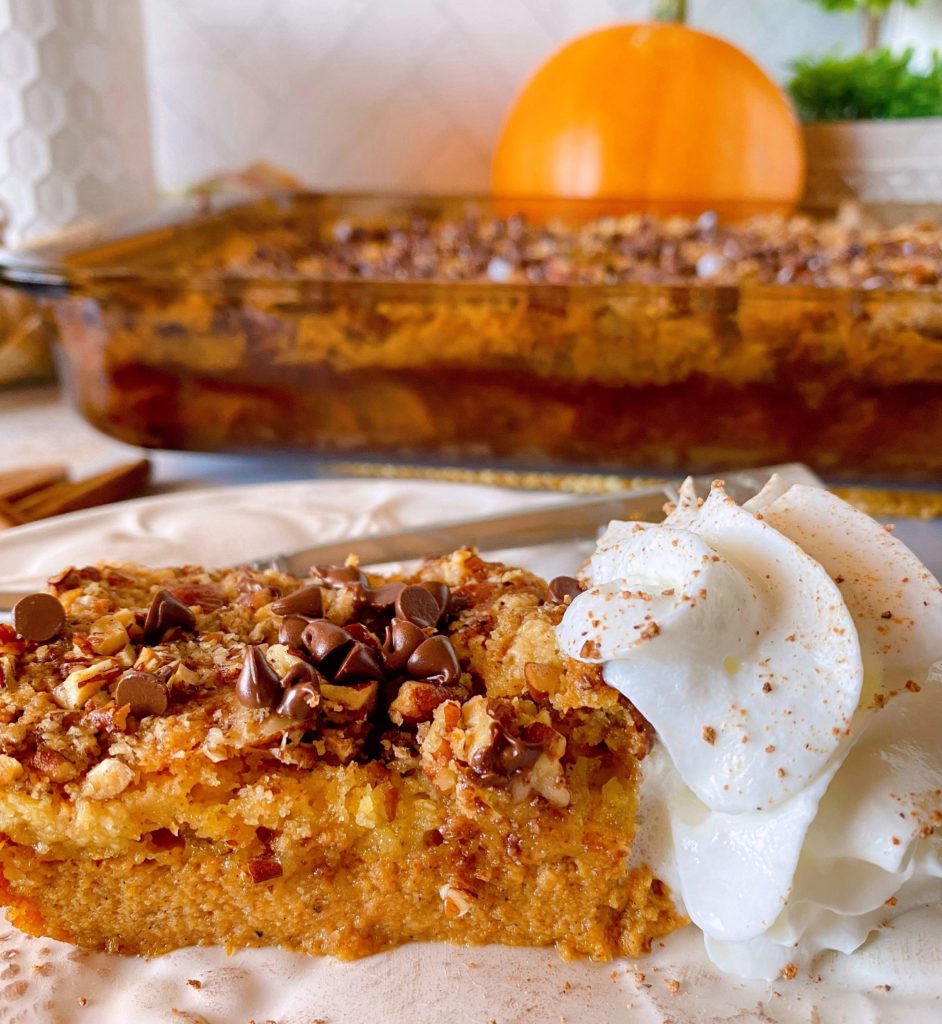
(454, 671)
(640, 248)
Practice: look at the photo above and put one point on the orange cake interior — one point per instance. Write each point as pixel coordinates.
(334, 765)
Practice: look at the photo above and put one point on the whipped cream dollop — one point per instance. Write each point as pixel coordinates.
(784, 652)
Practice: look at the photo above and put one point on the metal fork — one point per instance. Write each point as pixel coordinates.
(569, 520)
(553, 523)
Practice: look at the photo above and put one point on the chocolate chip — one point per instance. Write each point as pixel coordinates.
(258, 685)
(363, 633)
(435, 660)
(402, 638)
(301, 672)
(326, 642)
(305, 601)
(384, 596)
(496, 763)
(291, 629)
(143, 691)
(300, 701)
(164, 613)
(38, 617)
(564, 589)
(518, 754)
(360, 663)
(417, 605)
(441, 592)
(337, 576)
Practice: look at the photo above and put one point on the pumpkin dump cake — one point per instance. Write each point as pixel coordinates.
(336, 765)
(335, 324)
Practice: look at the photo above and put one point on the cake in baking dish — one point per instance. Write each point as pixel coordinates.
(335, 325)
(334, 765)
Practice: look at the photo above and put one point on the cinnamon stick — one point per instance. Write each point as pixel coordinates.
(16, 484)
(113, 485)
(9, 516)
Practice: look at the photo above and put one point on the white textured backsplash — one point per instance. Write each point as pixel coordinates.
(346, 94)
(391, 94)
(74, 128)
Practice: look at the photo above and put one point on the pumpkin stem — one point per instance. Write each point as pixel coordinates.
(872, 26)
(671, 10)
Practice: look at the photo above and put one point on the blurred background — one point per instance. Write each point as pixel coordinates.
(344, 94)
(325, 327)
(391, 95)
(372, 94)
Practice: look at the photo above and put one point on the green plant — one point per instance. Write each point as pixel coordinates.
(873, 84)
(877, 7)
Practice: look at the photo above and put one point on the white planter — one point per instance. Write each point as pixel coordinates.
(874, 161)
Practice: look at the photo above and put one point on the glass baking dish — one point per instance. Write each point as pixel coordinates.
(166, 341)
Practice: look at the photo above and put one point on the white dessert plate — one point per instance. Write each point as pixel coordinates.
(895, 977)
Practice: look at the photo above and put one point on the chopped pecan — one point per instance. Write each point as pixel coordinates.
(355, 700)
(416, 702)
(206, 595)
(300, 756)
(7, 671)
(82, 683)
(542, 680)
(109, 634)
(107, 719)
(263, 869)
(340, 747)
(116, 578)
(82, 646)
(9, 640)
(377, 805)
(71, 578)
(399, 748)
(53, 765)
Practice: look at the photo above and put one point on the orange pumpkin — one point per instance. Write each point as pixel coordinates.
(657, 113)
